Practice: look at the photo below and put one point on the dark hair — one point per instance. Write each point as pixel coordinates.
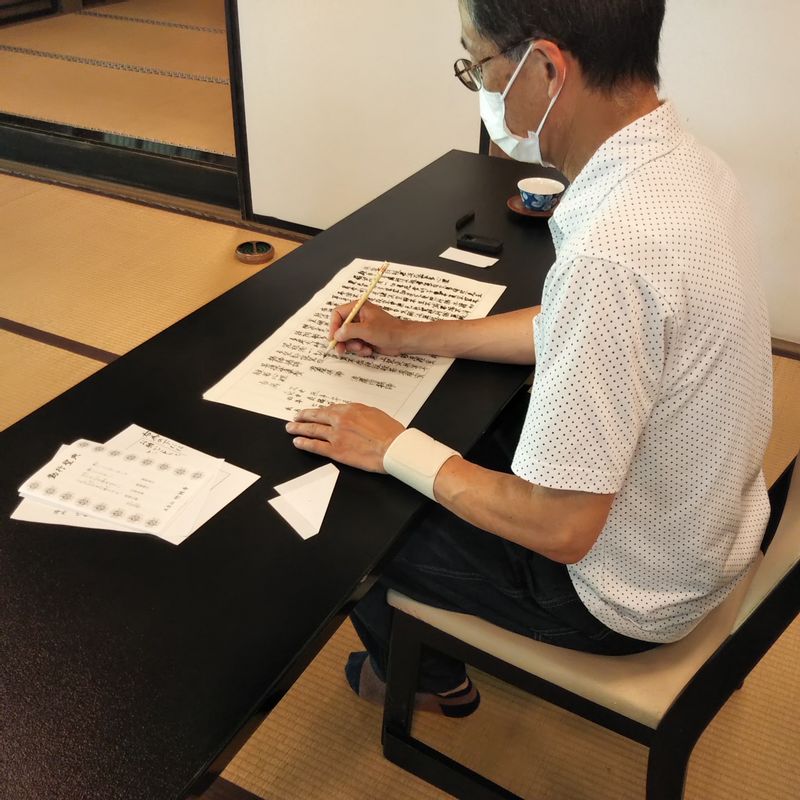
(615, 41)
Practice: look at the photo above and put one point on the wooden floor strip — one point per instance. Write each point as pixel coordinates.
(97, 62)
(145, 21)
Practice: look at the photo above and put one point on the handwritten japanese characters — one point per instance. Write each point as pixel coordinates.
(290, 371)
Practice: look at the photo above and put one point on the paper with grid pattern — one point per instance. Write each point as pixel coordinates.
(142, 492)
(228, 482)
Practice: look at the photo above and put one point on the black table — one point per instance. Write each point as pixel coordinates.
(132, 669)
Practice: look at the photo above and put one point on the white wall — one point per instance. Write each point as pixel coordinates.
(731, 67)
(346, 98)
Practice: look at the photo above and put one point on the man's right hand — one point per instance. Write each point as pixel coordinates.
(372, 331)
(504, 338)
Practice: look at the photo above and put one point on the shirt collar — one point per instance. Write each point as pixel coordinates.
(644, 140)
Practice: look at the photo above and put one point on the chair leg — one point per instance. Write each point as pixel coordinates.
(399, 746)
(402, 674)
(666, 768)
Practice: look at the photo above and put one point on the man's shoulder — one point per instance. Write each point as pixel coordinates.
(586, 279)
(665, 214)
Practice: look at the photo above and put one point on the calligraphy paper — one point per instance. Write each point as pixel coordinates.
(290, 371)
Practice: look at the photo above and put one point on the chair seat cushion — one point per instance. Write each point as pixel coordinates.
(640, 686)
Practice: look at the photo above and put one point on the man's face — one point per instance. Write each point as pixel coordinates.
(527, 101)
(498, 72)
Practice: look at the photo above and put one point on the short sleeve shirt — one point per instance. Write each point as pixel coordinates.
(653, 378)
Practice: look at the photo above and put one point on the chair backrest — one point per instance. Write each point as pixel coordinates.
(783, 554)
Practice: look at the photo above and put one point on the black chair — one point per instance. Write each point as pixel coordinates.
(663, 698)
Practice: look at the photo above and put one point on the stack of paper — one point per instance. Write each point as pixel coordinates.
(138, 481)
(303, 501)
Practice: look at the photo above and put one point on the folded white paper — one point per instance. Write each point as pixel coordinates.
(303, 501)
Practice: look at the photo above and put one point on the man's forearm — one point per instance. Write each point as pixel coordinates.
(504, 338)
(561, 525)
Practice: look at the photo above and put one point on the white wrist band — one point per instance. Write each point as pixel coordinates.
(414, 458)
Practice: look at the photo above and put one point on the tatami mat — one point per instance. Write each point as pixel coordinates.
(182, 112)
(33, 373)
(319, 742)
(531, 747)
(322, 742)
(205, 13)
(128, 43)
(108, 273)
(12, 190)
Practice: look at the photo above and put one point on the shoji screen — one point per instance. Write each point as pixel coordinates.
(345, 98)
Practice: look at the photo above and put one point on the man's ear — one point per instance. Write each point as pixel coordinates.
(555, 65)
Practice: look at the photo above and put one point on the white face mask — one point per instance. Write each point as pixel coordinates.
(493, 114)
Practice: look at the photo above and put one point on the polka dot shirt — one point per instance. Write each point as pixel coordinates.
(653, 378)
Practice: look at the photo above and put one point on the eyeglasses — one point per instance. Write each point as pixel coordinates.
(471, 74)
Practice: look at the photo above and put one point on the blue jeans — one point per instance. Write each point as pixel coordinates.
(451, 564)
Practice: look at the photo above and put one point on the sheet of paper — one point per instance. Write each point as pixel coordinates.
(290, 371)
(182, 525)
(33, 511)
(230, 482)
(328, 472)
(468, 257)
(137, 490)
(304, 501)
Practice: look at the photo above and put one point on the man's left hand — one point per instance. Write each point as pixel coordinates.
(353, 434)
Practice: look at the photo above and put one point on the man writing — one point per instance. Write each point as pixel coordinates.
(634, 500)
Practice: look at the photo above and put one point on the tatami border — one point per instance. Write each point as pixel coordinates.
(54, 340)
(98, 62)
(184, 26)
